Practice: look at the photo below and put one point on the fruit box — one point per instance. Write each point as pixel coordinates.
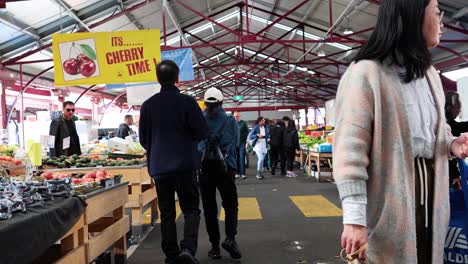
(106, 183)
(118, 143)
(325, 148)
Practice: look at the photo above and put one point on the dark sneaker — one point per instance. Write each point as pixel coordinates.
(233, 249)
(214, 253)
(186, 257)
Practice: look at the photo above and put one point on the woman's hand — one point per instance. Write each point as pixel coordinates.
(354, 237)
(459, 146)
(457, 182)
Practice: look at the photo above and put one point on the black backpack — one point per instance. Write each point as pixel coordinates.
(213, 158)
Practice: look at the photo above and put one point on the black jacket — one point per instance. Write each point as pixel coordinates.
(276, 135)
(124, 131)
(60, 130)
(290, 138)
(171, 125)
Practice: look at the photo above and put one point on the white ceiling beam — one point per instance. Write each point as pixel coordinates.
(349, 8)
(303, 19)
(176, 23)
(460, 13)
(208, 4)
(20, 26)
(273, 6)
(130, 16)
(72, 13)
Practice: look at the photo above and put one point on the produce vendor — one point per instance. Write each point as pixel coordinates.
(66, 140)
(124, 129)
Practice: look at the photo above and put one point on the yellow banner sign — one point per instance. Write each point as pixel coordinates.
(106, 57)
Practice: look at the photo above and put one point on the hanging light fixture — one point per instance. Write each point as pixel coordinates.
(348, 30)
(321, 54)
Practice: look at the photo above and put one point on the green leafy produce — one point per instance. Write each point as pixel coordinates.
(310, 141)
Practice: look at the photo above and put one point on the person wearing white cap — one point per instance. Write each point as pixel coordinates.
(219, 163)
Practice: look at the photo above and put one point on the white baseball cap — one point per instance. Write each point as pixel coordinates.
(213, 95)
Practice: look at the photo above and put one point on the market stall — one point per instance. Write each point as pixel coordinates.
(316, 154)
(27, 235)
(66, 229)
(141, 190)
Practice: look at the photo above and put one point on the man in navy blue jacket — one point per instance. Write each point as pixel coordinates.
(171, 125)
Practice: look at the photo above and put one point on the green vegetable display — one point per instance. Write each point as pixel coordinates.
(310, 141)
(86, 162)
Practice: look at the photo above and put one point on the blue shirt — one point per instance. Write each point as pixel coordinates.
(229, 137)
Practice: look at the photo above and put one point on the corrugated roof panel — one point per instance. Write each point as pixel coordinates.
(121, 23)
(35, 13)
(79, 4)
(7, 32)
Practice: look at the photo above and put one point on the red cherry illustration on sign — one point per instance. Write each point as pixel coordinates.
(82, 58)
(87, 68)
(70, 66)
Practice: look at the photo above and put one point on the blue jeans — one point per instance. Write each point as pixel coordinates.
(241, 159)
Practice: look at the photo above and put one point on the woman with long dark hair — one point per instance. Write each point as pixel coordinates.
(290, 145)
(259, 137)
(392, 143)
(219, 164)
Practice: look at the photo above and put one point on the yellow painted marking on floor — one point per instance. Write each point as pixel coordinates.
(248, 210)
(147, 215)
(315, 206)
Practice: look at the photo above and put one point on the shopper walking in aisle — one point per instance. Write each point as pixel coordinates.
(219, 165)
(124, 129)
(171, 125)
(453, 109)
(66, 140)
(241, 148)
(392, 143)
(266, 161)
(259, 137)
(291, 145)
(276, 148)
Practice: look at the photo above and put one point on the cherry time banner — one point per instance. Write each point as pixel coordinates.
(106, 57)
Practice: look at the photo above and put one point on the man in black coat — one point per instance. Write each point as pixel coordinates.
(124, 129)
(171, 125)
(66, 140)
(276, 151)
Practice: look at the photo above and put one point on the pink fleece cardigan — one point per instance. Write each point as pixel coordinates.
(373, 157)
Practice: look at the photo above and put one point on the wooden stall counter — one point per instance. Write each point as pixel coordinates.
(318, 157)
(141, 190)
(106, 224)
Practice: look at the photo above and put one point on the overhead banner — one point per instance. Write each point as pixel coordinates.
(106, 57)
(183, 59)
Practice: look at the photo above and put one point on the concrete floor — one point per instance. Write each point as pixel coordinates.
(280, 232)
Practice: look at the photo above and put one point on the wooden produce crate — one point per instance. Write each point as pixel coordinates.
(106, 224)
(141, 190)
